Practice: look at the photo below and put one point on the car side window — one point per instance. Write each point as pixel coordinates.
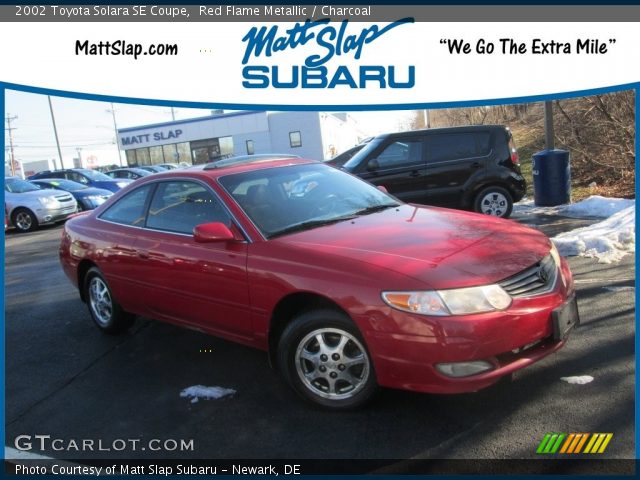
(76, 177)
(179, 206)
(451, 146)
(130, 209)
(400, 153)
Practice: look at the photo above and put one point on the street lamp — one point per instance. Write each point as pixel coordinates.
(112, 111)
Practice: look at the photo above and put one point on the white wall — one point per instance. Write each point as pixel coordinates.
(307, 123)
(214, 127)
(337, 135)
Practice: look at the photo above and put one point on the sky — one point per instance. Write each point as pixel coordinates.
(89, 125)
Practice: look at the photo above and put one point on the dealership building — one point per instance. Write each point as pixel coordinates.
(315, 135)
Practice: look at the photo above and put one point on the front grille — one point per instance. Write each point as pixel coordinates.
(535, 280)
(64, 198)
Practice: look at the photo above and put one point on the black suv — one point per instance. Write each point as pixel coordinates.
(472, 168)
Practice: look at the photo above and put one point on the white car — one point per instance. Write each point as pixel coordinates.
(28, 206)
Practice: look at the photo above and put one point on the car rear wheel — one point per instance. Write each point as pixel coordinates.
(323, 357)
(107, 314)
(495, 201)
(24, 220)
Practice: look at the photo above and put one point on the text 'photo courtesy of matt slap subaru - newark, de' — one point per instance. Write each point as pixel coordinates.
(307, 239)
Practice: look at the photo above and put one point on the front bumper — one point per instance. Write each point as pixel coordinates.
(46, 216)
(406, 348)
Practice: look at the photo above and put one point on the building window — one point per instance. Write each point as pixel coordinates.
(295, 140)
(250, 150)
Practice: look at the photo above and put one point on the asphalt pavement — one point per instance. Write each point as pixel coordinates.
(65, 379)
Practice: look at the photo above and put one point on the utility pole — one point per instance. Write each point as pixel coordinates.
(427, 120)
(79, 150)
(55, 132)
(10, 129)
(115, 129)
(548, 126)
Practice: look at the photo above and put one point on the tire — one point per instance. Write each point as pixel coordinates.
(24, 220)
(105, 311)
(495, 201)
(341, 378)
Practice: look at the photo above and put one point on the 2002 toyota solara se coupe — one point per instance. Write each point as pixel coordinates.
(347, 288)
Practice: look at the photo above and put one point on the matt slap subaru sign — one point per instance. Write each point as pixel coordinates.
(328, 43)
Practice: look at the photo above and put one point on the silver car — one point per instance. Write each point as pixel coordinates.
(29, 206)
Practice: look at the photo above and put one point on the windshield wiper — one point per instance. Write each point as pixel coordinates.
(375, 208)
(298, 227)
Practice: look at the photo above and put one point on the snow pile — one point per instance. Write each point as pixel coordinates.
(200, 391)
(608, 241)
(581, 380)
(594, 206)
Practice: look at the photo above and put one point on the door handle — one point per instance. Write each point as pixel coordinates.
(143, 254)
(476, 165)
(415, 174)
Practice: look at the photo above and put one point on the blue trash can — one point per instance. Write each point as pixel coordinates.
(551, 178)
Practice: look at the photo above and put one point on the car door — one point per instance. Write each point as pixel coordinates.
(200, 284)
(452, 160)
(399, 165)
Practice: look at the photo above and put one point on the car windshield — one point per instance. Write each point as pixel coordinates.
(357, 158)
(288, 199)
(17, 185)
(95, 176)
(66, 185)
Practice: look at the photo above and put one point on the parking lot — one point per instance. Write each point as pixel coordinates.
(67, 380)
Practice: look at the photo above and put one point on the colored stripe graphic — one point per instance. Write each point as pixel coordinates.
(573, 443)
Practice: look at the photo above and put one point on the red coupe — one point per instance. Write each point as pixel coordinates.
(346, 288)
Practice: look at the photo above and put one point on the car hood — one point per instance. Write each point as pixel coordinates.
(92, 191)
(111, 185)
(442, 248)
(44, 192)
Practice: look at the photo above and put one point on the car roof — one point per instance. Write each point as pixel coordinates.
(238, 167)
(432, 131)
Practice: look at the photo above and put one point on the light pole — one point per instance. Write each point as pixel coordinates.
(55, 131)
(79, 150)
(115, 129)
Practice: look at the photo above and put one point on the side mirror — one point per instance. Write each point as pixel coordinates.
(382, 188)
(373, 165)
(212, 232)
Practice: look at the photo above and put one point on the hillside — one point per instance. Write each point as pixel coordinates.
(598, 130)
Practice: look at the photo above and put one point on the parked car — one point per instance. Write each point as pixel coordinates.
(131, 173)
(28, 207)
(152, 168)
(342, 158)
(473, 168)
(345, 286)
(91, 178)
(170, 166)
(88, 198)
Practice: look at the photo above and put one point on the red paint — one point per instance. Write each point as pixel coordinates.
(231, 288)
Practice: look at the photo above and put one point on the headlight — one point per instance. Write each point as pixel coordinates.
(461, 301)
(555, 254)
(97, 199)
(48, 201)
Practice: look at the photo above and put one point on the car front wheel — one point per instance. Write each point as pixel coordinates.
(107, 314)
(323, 357)
(24, 220)
(495, 201)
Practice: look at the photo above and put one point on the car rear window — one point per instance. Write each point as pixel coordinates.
(453, 146)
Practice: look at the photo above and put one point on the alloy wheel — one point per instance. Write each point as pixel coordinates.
(332, 363)
(100, 301)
